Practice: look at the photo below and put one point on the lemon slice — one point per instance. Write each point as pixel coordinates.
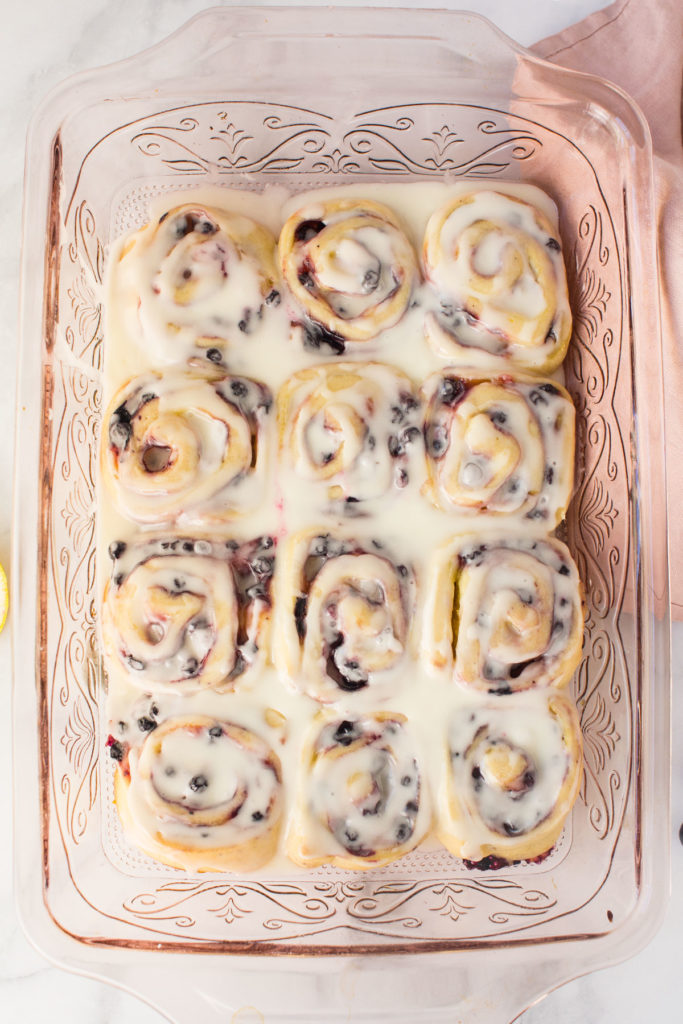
(4, 597)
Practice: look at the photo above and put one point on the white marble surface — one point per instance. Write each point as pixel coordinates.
(43, 42)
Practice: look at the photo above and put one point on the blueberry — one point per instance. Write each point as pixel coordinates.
(308, 229)
(238, 388)
(116, 751)
(300, 606)
(191, 667)
(403, 832)
(199, 783)
(257, 816)
(135, 663)
(549, 474)
(396, 449)
(120, 431)
(553, 244)
(146, 724)
(116, 549)
(214, 354)
(345, 733)
(436, 440)
(316, 335)
(262, 566)
(499, 418)
(564, 570)
(370, 281)
(451, 390)
(549, 389)
(215, 732)
(537, 398)
(516, 670)
(273, 298)
(184, 225)
(305, 278)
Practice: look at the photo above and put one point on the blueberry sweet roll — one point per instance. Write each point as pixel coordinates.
(202, 795)
(344, 617)
(504, 614)
(185, 443)
(348, 430)
(514, 772)
(496, 265)
(182, 615)
(199, 278)
(503, 447)
(350, 268)
(363, 801)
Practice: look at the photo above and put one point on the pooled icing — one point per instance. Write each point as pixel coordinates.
(373, 436)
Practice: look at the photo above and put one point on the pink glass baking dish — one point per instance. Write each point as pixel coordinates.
(303, 97)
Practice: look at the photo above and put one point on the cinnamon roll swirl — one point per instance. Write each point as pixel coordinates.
(496, 264)
(503, 447)
(505, 614)
(350, 267)
(182, 615)
(199, 278)
(202, 795)
(344, 616)
(348, 428)
(514, 772)
(363, 801)
(185, 441)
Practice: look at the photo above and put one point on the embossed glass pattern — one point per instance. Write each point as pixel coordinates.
(426, 95)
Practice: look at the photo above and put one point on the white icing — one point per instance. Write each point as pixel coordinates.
(290, 498)
(364, 793)
(528, 738)
(205, 786)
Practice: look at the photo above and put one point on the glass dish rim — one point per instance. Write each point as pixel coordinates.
(49, 111)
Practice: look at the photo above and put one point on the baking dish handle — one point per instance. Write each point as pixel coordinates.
(216, 991)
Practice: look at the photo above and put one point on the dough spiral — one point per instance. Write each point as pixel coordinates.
(504, 614)
(348, 429)
(495, 262)
(202, 794)
(199, 278)
(363, 802)
(185, 442)
(182, 615)
(514, 772)
(344, 614)
(350, 267)
(503, 447)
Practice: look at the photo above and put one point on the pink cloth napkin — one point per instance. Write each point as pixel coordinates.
(638, 44)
